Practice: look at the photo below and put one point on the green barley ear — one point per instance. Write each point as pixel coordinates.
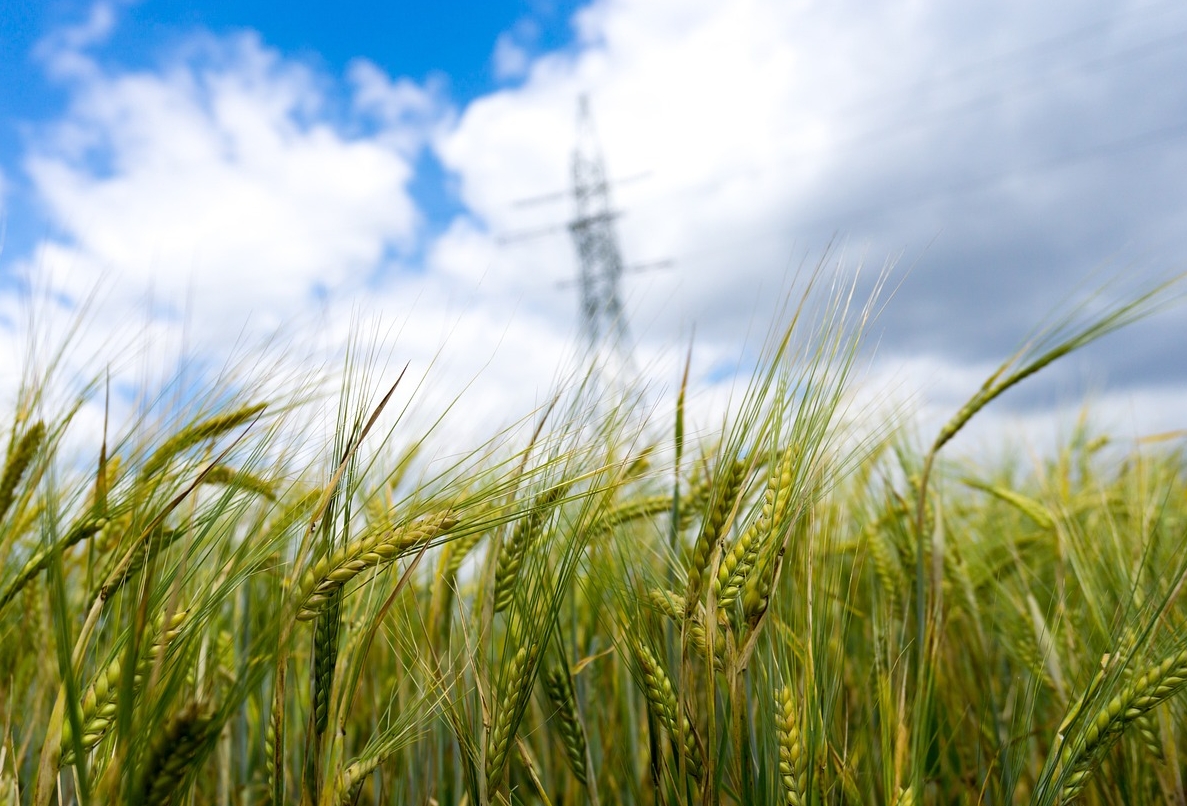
(512, 553)
(122, 569)
(350, 785)
(669, 604)
(636, 509)
(195, 434)
(760, 583)
(738, 562)
(1035, 510)
(172, 761)
(298, 510)
(458, 550)
(325, 658)
(40, 559)
(226, 476)
(888, 565)
(274, 739)
(508, 708)
(700, 642)
(1154, 686)
(19, 458)
(661, 698)
(1146, 726)
(713, 528)
(99, 704)
(756, 591)
(640, 464)
(321, 583)
(793, 758)
(559, 690)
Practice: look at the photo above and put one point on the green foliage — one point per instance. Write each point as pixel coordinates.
(776, 610)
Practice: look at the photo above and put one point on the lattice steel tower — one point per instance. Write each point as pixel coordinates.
(603, 324)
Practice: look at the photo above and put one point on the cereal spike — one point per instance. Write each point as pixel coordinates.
(661, 697)
(1151, 688)
(667, 602)
(350, 784)
(18, 462)
(99, 705)
(459, 549)
(173, 754)
(793, 760)
(328, 575)
(507, 710)
(637, 509)
(560, 693)
(739, 561)
(188, 437)
(325, 658)
(230, 477)
(712, 530)
(512, 554)
(38, 562)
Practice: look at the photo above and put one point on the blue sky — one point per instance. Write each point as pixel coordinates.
(446, 42)
(452, 39)
(220, 169)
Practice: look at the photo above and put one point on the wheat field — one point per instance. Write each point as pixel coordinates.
(597, 605)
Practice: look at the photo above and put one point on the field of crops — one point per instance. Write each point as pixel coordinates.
(223, 606)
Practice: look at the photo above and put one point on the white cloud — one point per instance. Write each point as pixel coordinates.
(244, 185)
(406, 113)
(64, 50)
(222, 195)
(513, 50)
(769, 128)
(218, 181)
(510, 59)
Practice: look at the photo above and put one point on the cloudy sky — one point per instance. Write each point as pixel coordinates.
(211, 172)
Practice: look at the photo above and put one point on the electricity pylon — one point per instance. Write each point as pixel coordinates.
(603, 324)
